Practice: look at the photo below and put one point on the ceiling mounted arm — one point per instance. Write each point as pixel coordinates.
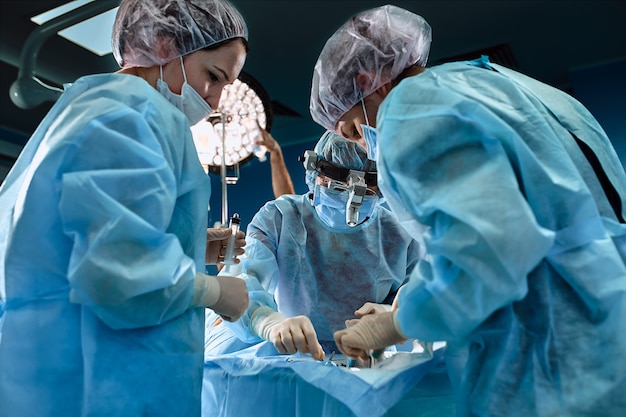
(28, 91)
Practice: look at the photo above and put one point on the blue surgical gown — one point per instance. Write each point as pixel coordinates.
(102, 229)
(296, 264)
(526, 256)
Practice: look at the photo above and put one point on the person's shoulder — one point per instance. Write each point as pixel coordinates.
(444, 84)
(126, 103)
(289, 200)
(113, 84)
(450, 73)
(95, 98)
(286, 204)
(120, 90)
(282, 210)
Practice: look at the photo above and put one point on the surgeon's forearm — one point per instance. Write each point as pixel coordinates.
(263, 319)
(396, 325)
(281, 180)
(206, 291)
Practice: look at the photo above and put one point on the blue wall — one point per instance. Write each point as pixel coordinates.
(602, 89)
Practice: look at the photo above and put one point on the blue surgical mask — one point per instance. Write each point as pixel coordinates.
(330, 206)
(369, 136)
(189, 101)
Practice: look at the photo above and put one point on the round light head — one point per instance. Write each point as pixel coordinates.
(241, 113)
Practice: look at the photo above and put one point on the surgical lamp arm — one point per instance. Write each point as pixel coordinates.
(28, 91)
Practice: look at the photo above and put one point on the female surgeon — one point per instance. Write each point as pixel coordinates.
(523, 199)
(103, 226)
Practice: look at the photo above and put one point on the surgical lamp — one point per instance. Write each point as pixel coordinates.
(228, 138)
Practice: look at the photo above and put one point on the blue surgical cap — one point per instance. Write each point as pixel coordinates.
(379, 43)
(154, 32)
(334, 148)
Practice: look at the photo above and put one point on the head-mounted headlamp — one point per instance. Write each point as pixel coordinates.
(312, 162)
(358, 181)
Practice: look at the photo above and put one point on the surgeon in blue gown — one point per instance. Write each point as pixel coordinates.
(308, 271)
(103, 231)
(523, 201)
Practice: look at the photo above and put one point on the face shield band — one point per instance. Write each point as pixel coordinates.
(313, 163)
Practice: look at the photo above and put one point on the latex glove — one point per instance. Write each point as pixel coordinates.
(227, 296)
(372, 308)
(365, 309)
(216, 241)
(371, 332)
(288, 335)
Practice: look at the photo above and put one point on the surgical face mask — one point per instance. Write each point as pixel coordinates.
(369, 136)
(189, 101)
(330, 205)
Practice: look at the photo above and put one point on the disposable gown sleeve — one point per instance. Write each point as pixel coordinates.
(446, 162)
(118, 194)
(413, 255)
(259, 268)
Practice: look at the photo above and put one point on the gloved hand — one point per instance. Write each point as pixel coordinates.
(372, 308)
(372, 332)
(365, 309)
(394, 304)
(216, 241)
(289, 335)
(227, 296)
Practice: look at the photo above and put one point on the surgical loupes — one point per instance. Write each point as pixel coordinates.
(357, 189)
(309, 160)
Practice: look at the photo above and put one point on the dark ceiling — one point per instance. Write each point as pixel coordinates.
(544, 39)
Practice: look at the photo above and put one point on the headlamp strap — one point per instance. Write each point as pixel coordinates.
(313, 163)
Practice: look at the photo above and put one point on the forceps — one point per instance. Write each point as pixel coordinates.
(330, 359)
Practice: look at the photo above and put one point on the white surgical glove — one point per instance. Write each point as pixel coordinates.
(371, 332)
(372, 308)
(367, 308)
(227, 296)
(289, 335)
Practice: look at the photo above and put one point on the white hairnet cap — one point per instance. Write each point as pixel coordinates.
(380, 43)
(334, 148)
(153, 32)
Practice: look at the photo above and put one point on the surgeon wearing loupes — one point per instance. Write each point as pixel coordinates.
(313, 260)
